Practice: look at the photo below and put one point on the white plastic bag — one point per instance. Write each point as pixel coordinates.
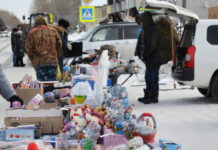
(141, 74)
(102, 76)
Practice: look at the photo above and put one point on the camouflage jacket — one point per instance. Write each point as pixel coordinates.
(43, 45)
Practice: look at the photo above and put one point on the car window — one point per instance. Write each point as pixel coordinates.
(88, 33)
(212, 32)
(106, 34)
(130, 32)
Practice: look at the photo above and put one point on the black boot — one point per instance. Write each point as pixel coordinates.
(146, 94)
(152, 98)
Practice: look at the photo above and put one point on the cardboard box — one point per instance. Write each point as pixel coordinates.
(50, 121)
(44, 105)
(28, 94)
(16, 134)
(169, 145)
(48, 125)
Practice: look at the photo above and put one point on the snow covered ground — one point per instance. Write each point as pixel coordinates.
(182, 114)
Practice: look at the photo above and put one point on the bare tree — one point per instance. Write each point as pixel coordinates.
(2, 25)
(9, 19)
(67, 9)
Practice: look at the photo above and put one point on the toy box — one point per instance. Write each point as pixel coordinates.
(169, 145)
(16, 134)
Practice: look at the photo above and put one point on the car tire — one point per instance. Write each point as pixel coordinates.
(203, 92)
(214, 88)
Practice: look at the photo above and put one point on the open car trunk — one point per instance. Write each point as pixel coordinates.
(183, 61)
(168, 9)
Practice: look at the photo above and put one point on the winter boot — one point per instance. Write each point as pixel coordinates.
(146, 95)
(152, 98)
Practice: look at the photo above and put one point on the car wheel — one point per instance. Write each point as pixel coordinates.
(214, 88)
(203, 91)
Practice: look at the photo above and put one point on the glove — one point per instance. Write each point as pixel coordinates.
(15, 98)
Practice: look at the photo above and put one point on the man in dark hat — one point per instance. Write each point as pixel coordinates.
(18, 46)
(155, 49)
(63, 24)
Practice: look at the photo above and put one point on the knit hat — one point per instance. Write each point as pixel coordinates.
(146, 20)
(64, 23)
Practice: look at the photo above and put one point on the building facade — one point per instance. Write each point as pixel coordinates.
(201, 7)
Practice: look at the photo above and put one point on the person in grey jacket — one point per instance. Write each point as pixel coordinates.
(7, 91)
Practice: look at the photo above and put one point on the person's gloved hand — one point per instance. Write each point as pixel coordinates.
(15, 98)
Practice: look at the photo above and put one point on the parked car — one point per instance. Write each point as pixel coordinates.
(122, 35)
(196, 60)
(5, 34)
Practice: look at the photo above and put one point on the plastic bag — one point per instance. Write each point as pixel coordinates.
(81, 88)
(141, 74)
(102, 76)
(58, 73)
(140, 64)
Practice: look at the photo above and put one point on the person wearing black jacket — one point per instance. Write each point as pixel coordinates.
(63, 24)
(154, 48)
(14, 31)
(18, 48)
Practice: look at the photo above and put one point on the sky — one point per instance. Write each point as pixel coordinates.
(97, 2)
(17, 7)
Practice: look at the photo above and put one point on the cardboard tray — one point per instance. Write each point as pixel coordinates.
(48, 125)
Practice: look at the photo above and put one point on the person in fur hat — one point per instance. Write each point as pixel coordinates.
(44, 47)
(154, 48)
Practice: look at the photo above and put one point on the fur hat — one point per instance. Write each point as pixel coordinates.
(40, 20)
(64, 23)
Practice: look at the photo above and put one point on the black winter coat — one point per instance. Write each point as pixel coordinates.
(18, 45)
(145, 48)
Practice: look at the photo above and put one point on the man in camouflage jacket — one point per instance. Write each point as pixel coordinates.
(43, 48)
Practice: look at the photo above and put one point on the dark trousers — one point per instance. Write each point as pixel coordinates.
(19, 61)
(46, 73)
(14, 59)
(152, 79)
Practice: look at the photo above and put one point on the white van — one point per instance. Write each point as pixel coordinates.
(196, 60)
(122, 35)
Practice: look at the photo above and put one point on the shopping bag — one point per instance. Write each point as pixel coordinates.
(58, 73)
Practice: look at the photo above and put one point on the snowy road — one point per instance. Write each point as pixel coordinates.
(183, 115)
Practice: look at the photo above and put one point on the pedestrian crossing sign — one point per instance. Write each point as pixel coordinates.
(87, 14)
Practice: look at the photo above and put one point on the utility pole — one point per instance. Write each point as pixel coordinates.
(184, 3)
